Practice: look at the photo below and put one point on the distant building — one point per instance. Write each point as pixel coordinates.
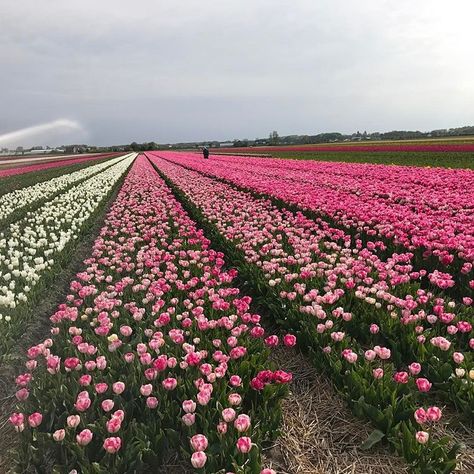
(72, 149)
(36, 151)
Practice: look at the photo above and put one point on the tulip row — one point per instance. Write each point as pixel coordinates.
(53, 164)
(154, 352)
(31, 196)
(427, 212)
(423, 315)
(383, 291)
(357, 147)
(33, 248)
(345, 303)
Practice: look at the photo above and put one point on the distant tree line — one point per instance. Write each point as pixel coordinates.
(273, 139)
(328, 137)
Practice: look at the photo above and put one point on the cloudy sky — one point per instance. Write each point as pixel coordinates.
(115, 71)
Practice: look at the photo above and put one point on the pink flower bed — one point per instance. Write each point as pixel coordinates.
(428, 147)
(53, 164)
(385, 341)
(426, 210)
(154, 350)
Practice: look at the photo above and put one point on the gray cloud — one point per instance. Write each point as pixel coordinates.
(169, 71)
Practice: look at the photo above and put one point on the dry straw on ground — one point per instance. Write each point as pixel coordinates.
(319, 434)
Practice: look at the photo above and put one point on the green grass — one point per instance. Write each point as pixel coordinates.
(441, 159)
(10, 183)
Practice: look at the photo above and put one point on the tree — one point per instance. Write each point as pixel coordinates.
(274, 138)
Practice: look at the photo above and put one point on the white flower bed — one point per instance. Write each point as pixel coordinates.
(11, 202)
(29, 247)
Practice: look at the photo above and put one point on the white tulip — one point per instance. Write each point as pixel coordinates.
(35, 241)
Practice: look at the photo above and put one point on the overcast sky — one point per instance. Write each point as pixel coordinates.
(170, 71)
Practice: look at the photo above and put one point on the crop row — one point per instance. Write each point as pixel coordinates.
(33, 248)
(29, 196)
(427, 212)
(52, 164)
(154, 353)
(372, 147)
(389, 345)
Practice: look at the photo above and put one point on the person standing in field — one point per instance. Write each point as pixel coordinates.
(205, 152)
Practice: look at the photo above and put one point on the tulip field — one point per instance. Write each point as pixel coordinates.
(161, 349)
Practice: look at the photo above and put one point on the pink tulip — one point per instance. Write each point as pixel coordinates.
(146, 390)
(199, 442)
(84, 437)
(189, 419)
(422, 437)
(271, 341)
(189, 406)
(119, 414)
(35, 419)
(112, 444)
(222, 427)
(101, 387)
(374, 329)
(59, 435)
(118, 387)
(85, 380)
(82, 403)
(107, 405)
(23, 380)
(73, 421)
(169, 383)
(370, 355)
(151, 402)
(433, 414)
(235, 381)
(242, 423)
(420, 416)
(228, 414)
(244, 444)
(377, 373)
(22, 394)
(198, 459)
(101, 362)
(423, 384)
(17, 420)
(126, 331)
(351, 357)
(113, 425)
(414, 368)
(31, 364)
(383, 352)
(401, 377)
(234, 399)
